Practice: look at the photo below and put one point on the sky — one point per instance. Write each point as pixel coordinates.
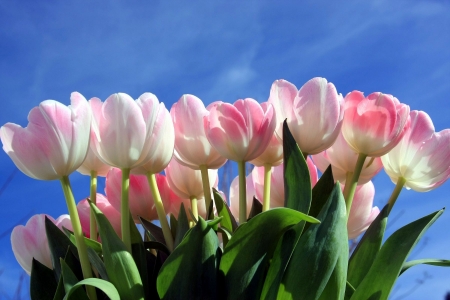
(223, 50)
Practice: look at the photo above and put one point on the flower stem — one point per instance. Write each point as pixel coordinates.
(93, 198)
(206, 187)
(125, 209)
(160, 210)
(78, 233)
(194, 207)
(267, 182)
(242, 192)
(354, 182)
(348, 180)
(396, 192)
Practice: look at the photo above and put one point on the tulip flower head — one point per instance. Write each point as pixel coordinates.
(55, 142)
(234, 195)
(373, 125)
(422, 157)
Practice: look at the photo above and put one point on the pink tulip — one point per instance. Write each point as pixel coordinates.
(422, 158)
(242, 131)
(64, 221)
(362, 213)
(234, 195)
(129, 133)
(277, 182)
(141, 200)
(110, 212)
(186, 182)
(31, 241)
(314, 115)
(192, 147)
(375, 124)
(55, 142)
(343, 160)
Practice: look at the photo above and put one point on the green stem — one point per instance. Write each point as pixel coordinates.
(206, 187)
(78, 234)
(348, 179)
(242, 192)
(93, 198)
(398, 188)
(160, 210)
(267, 182)
(354, 182)
(194, 207)
(125, 209)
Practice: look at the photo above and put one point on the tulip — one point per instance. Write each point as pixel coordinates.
(240, 132)
(362, 213)
(64, 221)
(235, 198)
(343, 162)
(110, 212)
(421, 160)
(314, 115)
(187, 183)
(30, 241)
(55, 142)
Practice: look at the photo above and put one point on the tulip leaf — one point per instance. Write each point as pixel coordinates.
(103, 285)
(317, 255)
(96, 246)
(154, 264)
(154, 231)
(247, 254)
(173, 224)
(256, 208)
(425, 261)
(191, 269)
(182, 226)
(226, 235)
(97, 263)
(70, 280)
(120, 266)
(228, 220)
(157, 246)
(349, 290)
(380, 279)
(42, 282)
(297, 183)
(367, 249)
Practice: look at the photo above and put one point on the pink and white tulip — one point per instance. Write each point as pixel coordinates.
(314, 114)
(140, 197)
(343, 160)
(422, 157)
(362, 213)
(234, 195)
(55, 142)
(30, 241)
(192, 147)
(242, 131)
(373, 125)
(130, 134)
(102, 203)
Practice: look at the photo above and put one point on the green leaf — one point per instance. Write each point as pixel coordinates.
(367, 249)
(256, 208)
(182, 226)
(349, 290)
(70, 280)
(380, 279)
(317, 254)
(120, 266)
(42, 282)
(97, 263)
(190, 271)
(103, 285)
(246, 256)
(226, 235)
(60, 293)
(94, 245)
(297, 183)
(425, 261)
(157, 246)
(155, 232)
(228, 220)
(173, 224)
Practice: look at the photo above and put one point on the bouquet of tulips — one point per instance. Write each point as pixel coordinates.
(293, 244)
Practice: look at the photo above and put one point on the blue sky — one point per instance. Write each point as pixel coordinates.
(223, 50)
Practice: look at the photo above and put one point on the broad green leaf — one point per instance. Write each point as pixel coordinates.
(190, 272)
(349, 290)
(367, 249)
(226, 235)
(182, 226)
(155, 232)
(97, 263)
(173, 224)
(380, 279)
(139, 255)
(156, 246)
(228, 221)
(317, 254)
(297, 183)
(60, 293)
(120, 266)
(425, 261)
(94, 245)
(256, 208)
(247, 254)
(103, 285)
(42, 282)
(70, 280)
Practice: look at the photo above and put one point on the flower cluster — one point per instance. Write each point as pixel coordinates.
(157, 161)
